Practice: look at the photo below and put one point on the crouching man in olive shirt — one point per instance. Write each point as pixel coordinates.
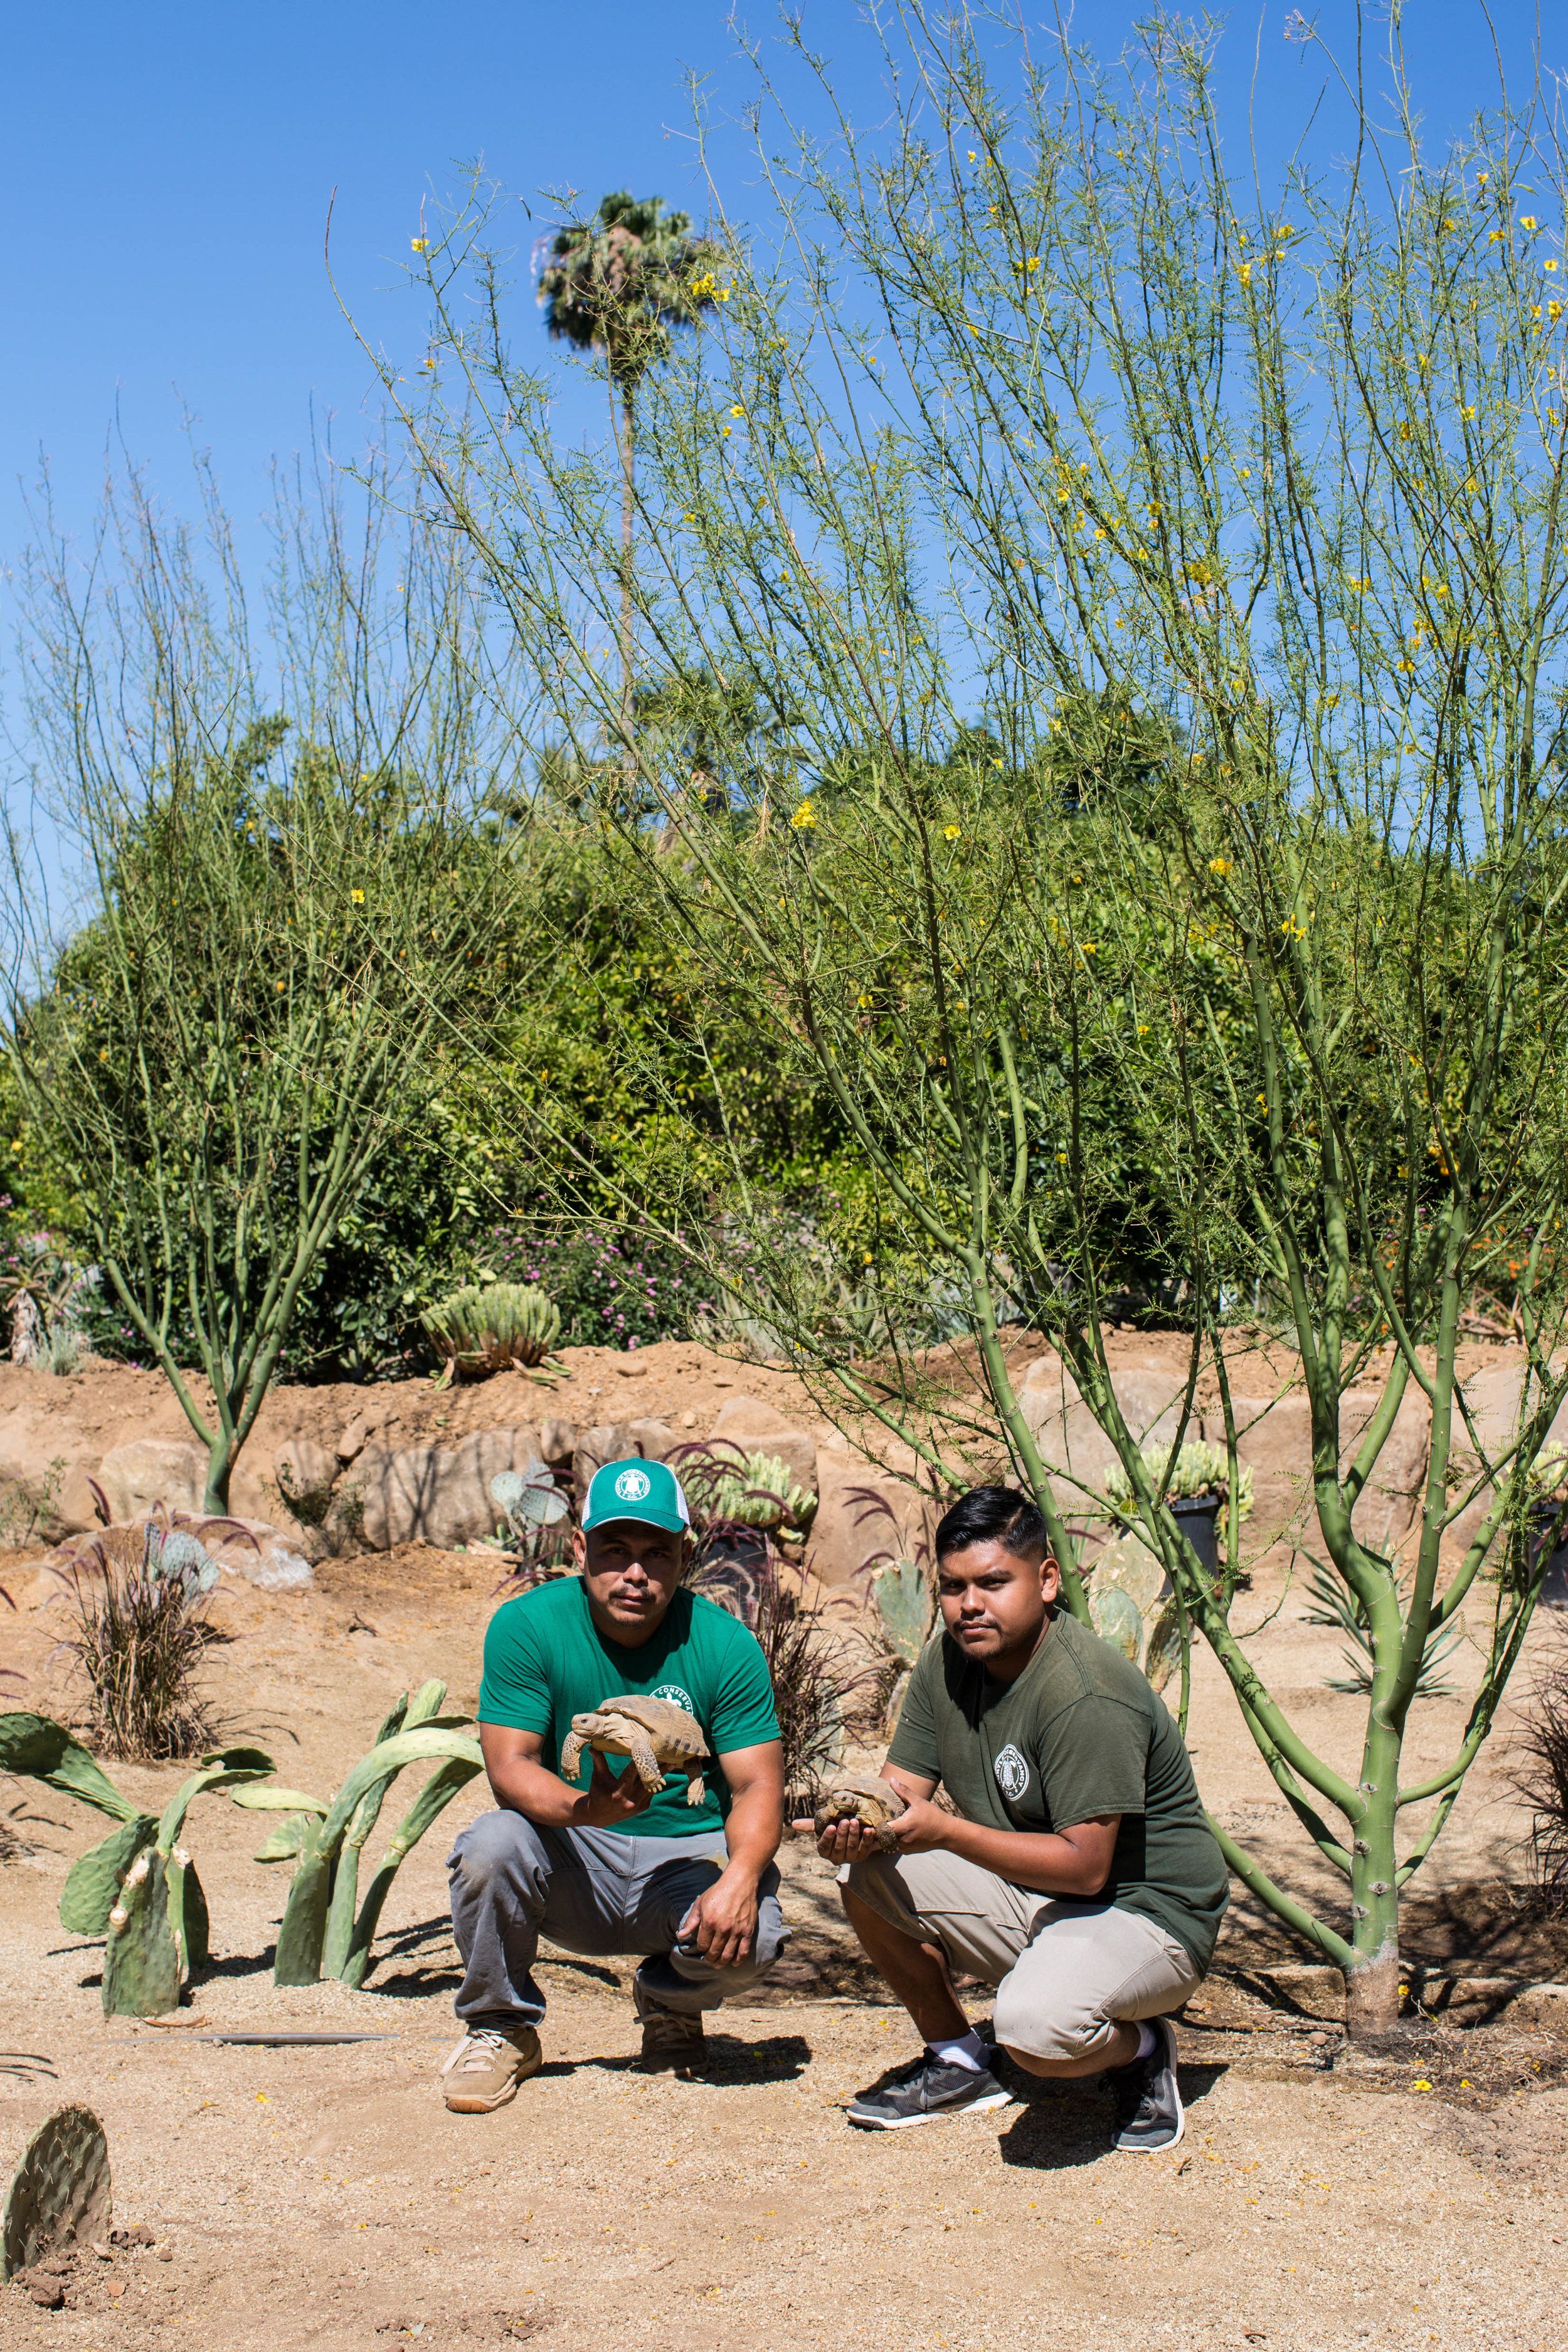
(1079, 1875)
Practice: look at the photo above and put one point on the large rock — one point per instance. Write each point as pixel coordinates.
(269, 1561)
(430, 1494)
(863, 1513)
(153, 1470)
(358, 1433)
(1133, 1607)
(1076, 1450)
(746, 1420)
(619, 1441)
(305, 1473)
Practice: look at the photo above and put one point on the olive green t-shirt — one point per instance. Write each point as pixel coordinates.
(1080, 1734)
(546, 1661)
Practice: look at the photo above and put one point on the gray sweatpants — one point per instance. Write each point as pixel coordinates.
(597, 1892)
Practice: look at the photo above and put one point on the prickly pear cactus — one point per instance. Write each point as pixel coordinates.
(905, 1609)
(92, 1889)
(59, 2191)
(140, 1957)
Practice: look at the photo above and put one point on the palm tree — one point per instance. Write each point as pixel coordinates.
(620, 283)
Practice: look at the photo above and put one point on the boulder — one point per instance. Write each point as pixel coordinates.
(1076, 1449)
(746, 1420)
(558, 1443)
(305, 1473)
(863, 1512)
(153, 1470)
(358, 1433)
(619, 1441)
(426, 1493)
(270, 1561)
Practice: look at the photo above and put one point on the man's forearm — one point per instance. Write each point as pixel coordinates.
(536, 1792)
(753, 1830)
(1046, 1863)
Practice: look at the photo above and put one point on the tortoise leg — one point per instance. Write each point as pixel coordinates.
(696, 1790)
(570, 1755)
(640, 1749)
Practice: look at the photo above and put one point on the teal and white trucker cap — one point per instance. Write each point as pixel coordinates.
(645, 1491)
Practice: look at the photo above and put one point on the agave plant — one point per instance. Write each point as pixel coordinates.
(326, 1928)
(1199, 1469)
(495, 1327)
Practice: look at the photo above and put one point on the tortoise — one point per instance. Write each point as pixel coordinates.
(659, 1737)
(860, 1797)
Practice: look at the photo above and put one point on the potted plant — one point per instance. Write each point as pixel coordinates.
(1196, 1490)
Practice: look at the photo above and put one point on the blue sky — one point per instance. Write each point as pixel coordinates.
(167, 169)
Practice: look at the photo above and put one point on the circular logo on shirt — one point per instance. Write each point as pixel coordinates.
(1011, 1774)
(676, 1695)
(633, 1486)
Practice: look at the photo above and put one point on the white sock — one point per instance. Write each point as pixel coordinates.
(968, 2050)
(1148, 2041)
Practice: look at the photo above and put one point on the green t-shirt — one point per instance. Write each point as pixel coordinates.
(546, 1661)
(1078, 1734)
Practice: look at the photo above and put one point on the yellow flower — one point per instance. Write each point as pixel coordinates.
(737, 410)
(1220, 866)
(804, 817)
(1293, 930)
(419, 244)
(1244, 271)
(1494, 236)
(1032, 264)
(1468, 414)
(279, 985)
(358, 897)
(953, 833)
(1548, 266)
(1554, 309)
(103, 1056)
(1262, 1102)
(1143, 1028)
(1330, 702)
(1088, 947)
(1527, 220)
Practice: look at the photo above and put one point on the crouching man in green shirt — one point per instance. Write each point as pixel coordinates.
(1078, 1874)
(606, 1866)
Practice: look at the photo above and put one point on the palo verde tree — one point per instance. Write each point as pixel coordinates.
(1261, 497)
(285, 907)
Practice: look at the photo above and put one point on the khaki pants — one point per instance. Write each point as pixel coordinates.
(1065, 1973)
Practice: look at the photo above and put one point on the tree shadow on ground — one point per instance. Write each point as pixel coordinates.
(1066, 2124)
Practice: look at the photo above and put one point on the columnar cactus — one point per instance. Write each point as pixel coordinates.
(488, 1326)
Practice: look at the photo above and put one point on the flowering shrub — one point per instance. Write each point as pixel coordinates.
(614, 1288)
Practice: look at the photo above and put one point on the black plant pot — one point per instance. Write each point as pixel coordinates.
(1549, 1527)
(1197, 1516)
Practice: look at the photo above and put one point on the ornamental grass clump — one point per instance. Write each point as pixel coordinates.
(493, 1327)
(1538, 1761)
(138, 1597)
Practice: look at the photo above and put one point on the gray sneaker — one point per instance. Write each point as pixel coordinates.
(1150, 2116)
(672, 2043)
(923, 2093)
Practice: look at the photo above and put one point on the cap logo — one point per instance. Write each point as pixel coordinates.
(633, 1486)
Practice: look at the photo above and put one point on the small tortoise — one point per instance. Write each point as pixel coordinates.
(860, 1797)
(659, 1737)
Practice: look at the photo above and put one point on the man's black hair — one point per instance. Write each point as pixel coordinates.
(994, 1515)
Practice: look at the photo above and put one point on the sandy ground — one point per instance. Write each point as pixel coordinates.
(324, 2195)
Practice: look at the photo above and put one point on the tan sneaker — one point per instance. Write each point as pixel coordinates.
(485, 2069)
(670, 2043)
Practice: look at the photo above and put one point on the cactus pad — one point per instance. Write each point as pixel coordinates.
(61, 2189)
